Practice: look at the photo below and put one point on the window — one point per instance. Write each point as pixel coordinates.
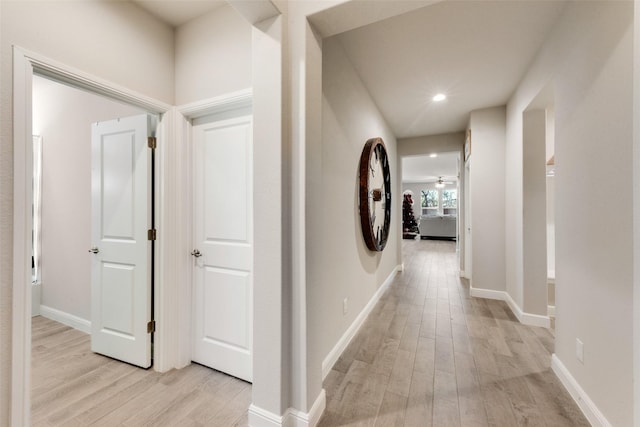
(449, 202)
(439, 201)
(429, 202)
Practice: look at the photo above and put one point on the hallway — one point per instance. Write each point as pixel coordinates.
(430, 355)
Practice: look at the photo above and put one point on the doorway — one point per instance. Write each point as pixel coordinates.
(32, 65)
(84, 158)
(62, 117)
(432, 181)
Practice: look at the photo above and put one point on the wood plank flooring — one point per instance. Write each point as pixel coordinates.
(430, 355)
(71, 386)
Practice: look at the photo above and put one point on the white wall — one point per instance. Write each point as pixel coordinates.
(488, 198)
(588, 58)
(343, 266)
(213, 56)
(128, 48)
(422, 145)
(62, 116)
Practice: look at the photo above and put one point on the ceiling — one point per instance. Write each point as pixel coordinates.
(178, 12)
(476, 52)
(428, 169)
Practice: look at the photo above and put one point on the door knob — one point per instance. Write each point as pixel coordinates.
(94, 250)
(196, 253)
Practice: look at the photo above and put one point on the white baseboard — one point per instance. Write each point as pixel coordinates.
(524, 318)
(346, 338)
(589, 409)
(527, 318)
(295, 418)
(259, 417)
(66, 318)
(487, 293)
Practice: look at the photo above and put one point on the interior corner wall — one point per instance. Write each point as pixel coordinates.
(487, 180)
(63, 115)
(344, 268)
(213, 56)
(68, 32)
(588, 58)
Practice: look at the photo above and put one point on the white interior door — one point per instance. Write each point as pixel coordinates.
(121, 217)
(223, 245)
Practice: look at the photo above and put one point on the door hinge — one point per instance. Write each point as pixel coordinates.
(152, 142)
(151, 327)
(152, 234)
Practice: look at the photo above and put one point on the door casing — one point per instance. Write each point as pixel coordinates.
(222, 107)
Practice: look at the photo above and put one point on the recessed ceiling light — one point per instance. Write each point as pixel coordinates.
(440, 97)
(432, 155)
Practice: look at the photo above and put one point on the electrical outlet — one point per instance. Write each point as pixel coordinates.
(345, 306)
(579, 351)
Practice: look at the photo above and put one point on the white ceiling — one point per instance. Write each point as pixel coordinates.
(476, 52)
(178, 12)
(428, 169)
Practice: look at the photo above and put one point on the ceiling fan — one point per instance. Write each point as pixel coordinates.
(441, 182)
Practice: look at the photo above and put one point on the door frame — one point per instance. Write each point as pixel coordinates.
(25, 65)
(233, 103)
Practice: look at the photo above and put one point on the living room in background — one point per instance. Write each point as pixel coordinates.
(433, 181)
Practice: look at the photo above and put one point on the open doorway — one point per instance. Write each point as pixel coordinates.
(24, 254)
(432, 182)
(551, 214)
(62, 118)
(538, 224)
(92, 176)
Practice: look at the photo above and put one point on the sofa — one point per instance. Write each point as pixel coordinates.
(438, 226)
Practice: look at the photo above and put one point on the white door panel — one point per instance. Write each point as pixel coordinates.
(121, 216)
(223, 235)
(225, 185)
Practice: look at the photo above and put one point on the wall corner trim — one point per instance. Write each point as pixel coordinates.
(259, 417)
(295, 418)
(346, 338)
(524, 318)
(586, 405)
(66, 319)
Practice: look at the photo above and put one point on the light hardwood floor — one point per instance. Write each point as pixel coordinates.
(71, 386)
(430, 355)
